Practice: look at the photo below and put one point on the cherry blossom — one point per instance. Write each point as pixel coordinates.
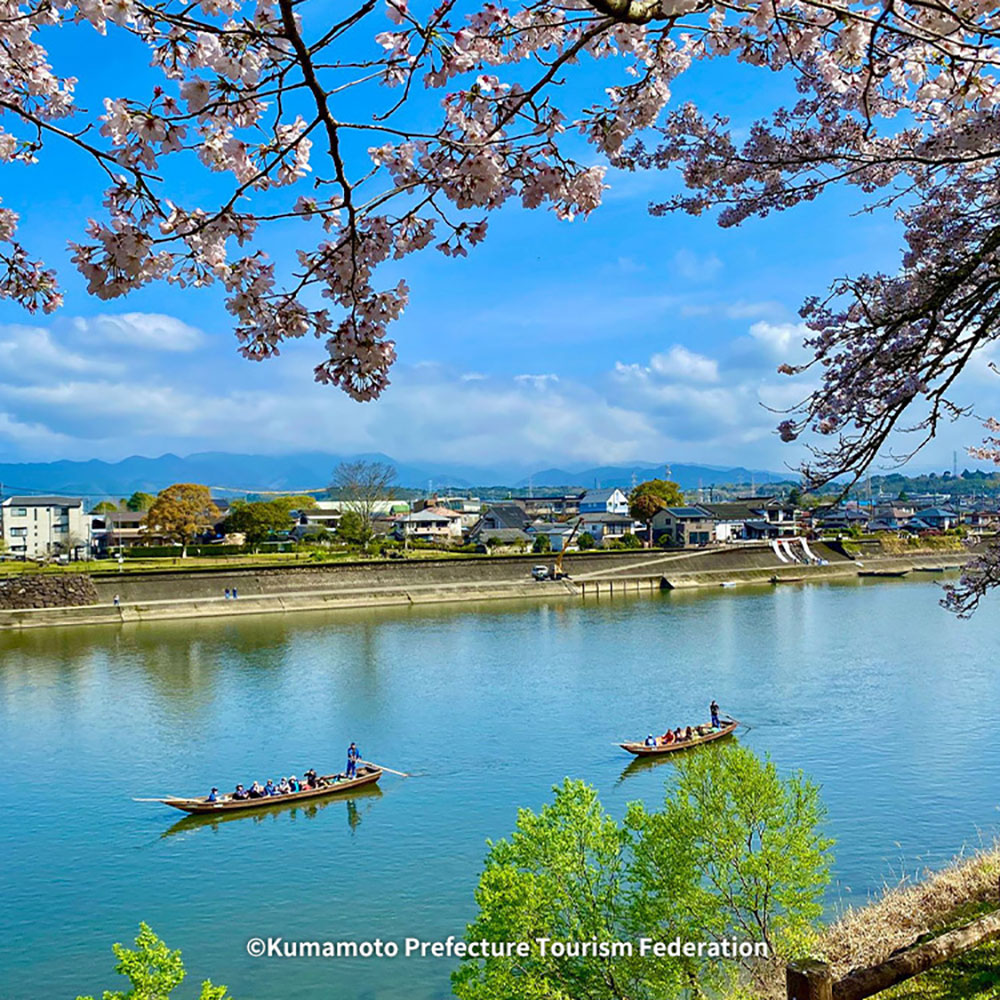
(402, 126)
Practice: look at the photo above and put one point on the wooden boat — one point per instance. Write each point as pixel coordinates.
(333, 784)
(640, 749)
(883, 572)
(787, 579)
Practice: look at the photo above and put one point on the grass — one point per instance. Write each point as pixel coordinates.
(262, 560)
(909, 913)
(972, 976)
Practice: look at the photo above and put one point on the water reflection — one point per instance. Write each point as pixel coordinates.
(290, 812)
(642, 765)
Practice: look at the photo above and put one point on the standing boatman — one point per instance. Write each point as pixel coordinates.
(353, 756)
(714, 709)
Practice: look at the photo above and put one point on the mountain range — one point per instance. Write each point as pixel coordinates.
(233, 475)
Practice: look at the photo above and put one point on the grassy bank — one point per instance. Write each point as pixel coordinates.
(912, 913)
(263, 560)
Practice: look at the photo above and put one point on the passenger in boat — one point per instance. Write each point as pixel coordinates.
(353, 756)
(714, 709)
(283, 787)
(651, 740)
(668, 737)
(213, 795)
(241, 793)
(689, 733)
(256, 792)
(270, 788)
(311, 780)
(679, 734)
(293, 784)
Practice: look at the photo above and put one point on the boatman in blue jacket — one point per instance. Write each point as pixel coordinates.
(353, 756)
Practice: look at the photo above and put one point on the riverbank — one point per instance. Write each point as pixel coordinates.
(153, 595)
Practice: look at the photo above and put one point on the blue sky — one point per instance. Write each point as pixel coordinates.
(622, 337)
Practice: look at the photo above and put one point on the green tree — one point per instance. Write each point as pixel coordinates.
(754, 840)
(181, 512)
(140, 501)
(630, 541)
(734, 852)
(154, 971)
(257, 520)
(105, 507)
(649, 498)
(586, 541)
(351, 528)
(542, 543)
(795, 496)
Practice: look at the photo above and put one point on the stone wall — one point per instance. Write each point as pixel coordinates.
(46, 591)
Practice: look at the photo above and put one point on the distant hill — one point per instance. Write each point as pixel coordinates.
(233, 474)
(688, 477)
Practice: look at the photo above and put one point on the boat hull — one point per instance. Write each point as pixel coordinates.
(641, 750)
(200, 806)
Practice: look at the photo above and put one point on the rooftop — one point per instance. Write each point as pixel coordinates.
(45, 501)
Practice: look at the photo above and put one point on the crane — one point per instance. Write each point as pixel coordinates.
(557, 571)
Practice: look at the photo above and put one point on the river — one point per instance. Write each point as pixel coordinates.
(869, 687)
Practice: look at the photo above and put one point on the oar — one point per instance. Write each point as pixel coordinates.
(163, 799)
(382, 767)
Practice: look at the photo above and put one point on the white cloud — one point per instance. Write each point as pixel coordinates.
(779, 338)
(693, 267)
(143, 331)
(685, 402)
(31, 352)
(536, 381)
(681, 363)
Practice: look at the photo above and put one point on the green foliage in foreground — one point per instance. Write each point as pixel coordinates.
(734, 852)
(154, 971)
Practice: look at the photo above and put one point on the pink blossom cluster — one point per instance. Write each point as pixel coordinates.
(897, 97)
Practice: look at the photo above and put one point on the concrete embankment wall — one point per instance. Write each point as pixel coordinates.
(154, 595)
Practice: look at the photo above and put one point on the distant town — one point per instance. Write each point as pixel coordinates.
(364, 511)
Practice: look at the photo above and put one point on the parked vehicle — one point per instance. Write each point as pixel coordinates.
(540, 572)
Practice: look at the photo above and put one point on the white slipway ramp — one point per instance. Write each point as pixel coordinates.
(807, 550)
(777, 550)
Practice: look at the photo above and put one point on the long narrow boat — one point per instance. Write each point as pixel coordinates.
(641, 750)
(332, 784)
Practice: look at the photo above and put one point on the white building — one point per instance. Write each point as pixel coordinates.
(610, 501)
(45, 527)
(432, 524)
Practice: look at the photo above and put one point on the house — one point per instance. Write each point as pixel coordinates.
(883, 524)
(557, 532)
(605, 526)
(550, 505)
(611, 501)
(503, 515)
(841, 518)
(117, 529)
(502, 520)
(432, 524)
(729, 519)
(327, 513)
(938, 518)
(502, 538)
(45, 526)
(684, 526)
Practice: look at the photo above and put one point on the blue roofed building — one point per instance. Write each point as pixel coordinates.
(609, 501)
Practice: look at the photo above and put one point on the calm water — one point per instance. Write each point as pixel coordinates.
(871, 688)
